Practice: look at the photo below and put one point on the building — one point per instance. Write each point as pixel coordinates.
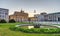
(19, 16)
(36, 16)
(48, 17)
(4, 14)
(33, 19)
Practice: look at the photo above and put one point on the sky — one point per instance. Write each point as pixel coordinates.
(48, 6)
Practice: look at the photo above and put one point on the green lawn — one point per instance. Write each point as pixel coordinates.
(4, 31)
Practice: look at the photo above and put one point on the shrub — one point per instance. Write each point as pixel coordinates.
(3, 21)
(13, 28)
(37, 30)
(12, 21)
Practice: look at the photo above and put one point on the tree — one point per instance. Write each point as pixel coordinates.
(12, 21)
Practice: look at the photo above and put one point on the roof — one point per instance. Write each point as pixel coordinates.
(53, 13)
(3, 9)
(16, 12)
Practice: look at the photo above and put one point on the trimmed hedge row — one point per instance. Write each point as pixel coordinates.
(36, 30)
(12, 21)
(3, 21)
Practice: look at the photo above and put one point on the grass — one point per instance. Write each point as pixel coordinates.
(4, 31)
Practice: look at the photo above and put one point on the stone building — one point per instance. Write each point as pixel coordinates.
(19, 16)
(33, 19)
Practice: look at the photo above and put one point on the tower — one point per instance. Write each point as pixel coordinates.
(34, 11)
(22, 11)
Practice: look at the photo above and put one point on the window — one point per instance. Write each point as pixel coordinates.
(6, 13)
(0, 15)
(50, 17)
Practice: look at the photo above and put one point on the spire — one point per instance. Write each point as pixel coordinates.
(22, 11)
(34, 11)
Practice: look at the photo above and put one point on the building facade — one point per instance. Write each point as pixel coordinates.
(33, 19)
(4, 14)
(19, 16)
(49, 17)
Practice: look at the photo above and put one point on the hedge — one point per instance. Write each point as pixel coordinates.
(3, 21)
(36, 30)
(12, 21)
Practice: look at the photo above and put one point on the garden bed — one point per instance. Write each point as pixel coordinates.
(36, 30)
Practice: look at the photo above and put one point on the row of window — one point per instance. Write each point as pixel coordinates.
(3, 13)
(2, 16)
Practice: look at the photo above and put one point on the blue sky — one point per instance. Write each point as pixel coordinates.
(49, 6)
